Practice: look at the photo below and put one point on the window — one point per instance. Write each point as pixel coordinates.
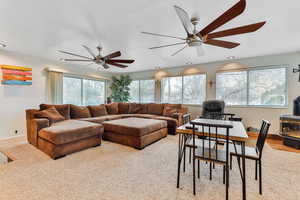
(255, 87)
(142, 91)
(134, 91)
(232, 87)
(72, 91)
(194, 89)
(147, 91)
(184, 89)
(93, 92)
(267, 87)
(79, 91)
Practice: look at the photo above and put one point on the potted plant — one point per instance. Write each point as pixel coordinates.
(120, 88)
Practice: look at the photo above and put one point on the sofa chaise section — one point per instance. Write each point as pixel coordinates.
(64, 137)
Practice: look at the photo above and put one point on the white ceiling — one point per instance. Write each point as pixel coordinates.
(41, 27)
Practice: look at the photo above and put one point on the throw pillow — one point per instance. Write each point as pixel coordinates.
(51, 114)
(98, 111)
(78, 112)
(112, 108)
(63, 109)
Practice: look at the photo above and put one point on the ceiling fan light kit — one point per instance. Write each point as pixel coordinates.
(207, 35)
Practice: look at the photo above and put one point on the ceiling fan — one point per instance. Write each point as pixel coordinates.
(206, 35)
(99, 59)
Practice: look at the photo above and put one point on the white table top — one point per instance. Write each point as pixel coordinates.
(236, 133)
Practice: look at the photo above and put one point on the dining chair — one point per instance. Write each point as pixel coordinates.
(220, 141)
(213, 109)
(210, 154)
(253, 153)
(199, 143)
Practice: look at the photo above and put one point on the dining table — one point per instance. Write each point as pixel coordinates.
(233, 131)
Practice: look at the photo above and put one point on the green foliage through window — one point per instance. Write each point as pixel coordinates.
(120, 88)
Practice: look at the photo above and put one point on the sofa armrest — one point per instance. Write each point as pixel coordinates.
(183, 110)
(182, 118)
(35, 126)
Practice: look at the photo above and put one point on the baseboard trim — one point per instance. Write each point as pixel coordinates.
(12, 137)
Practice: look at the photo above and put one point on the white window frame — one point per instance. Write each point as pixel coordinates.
(182, 82)
(248, 86)
(81, 80)
(139, 96)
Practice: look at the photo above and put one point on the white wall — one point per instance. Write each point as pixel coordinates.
(251, 115)
(14, 100)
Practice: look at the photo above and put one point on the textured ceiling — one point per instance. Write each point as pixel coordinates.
(41, 27)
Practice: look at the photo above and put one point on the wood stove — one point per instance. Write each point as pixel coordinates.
(290, 126)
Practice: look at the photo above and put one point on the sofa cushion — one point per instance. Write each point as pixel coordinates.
(123, 108)
(155, 109)
(139, 116)
(101, 119)
(64, 109)
(97, 111)
(79, 112)
(69, 131)
(51, 114)
(112, 117)
(171, 109)
(136, 127)
(137, 108)
(134, 108)
(97, 120)
(171, 121)
(144, 109)
(112, 108)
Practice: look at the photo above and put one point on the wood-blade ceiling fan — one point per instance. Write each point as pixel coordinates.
(98, 59)
(206, 35)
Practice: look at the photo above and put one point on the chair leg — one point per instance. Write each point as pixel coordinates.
(198, 169)
(194, 174)
(184, 152)
(224, 174)
(214, 166)
(260, 178)
(230, 162)
(190, 159)
(256, 169)
(210, 171)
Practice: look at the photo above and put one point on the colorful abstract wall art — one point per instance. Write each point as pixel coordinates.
(15, 75)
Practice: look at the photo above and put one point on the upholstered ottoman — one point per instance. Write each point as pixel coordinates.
(135, 132)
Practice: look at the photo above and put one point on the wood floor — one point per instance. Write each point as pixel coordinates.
(275, 142)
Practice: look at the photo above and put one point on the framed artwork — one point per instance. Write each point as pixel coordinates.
(15, 75)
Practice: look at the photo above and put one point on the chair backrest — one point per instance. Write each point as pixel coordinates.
(262, 137)
(209, 132)
(213, 109)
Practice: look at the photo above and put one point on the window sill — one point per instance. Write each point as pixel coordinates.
(264, 107)
(237, 106)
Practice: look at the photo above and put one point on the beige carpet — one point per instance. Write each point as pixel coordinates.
(118, 172)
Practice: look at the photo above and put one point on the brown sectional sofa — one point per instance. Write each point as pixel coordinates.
(84, 126)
